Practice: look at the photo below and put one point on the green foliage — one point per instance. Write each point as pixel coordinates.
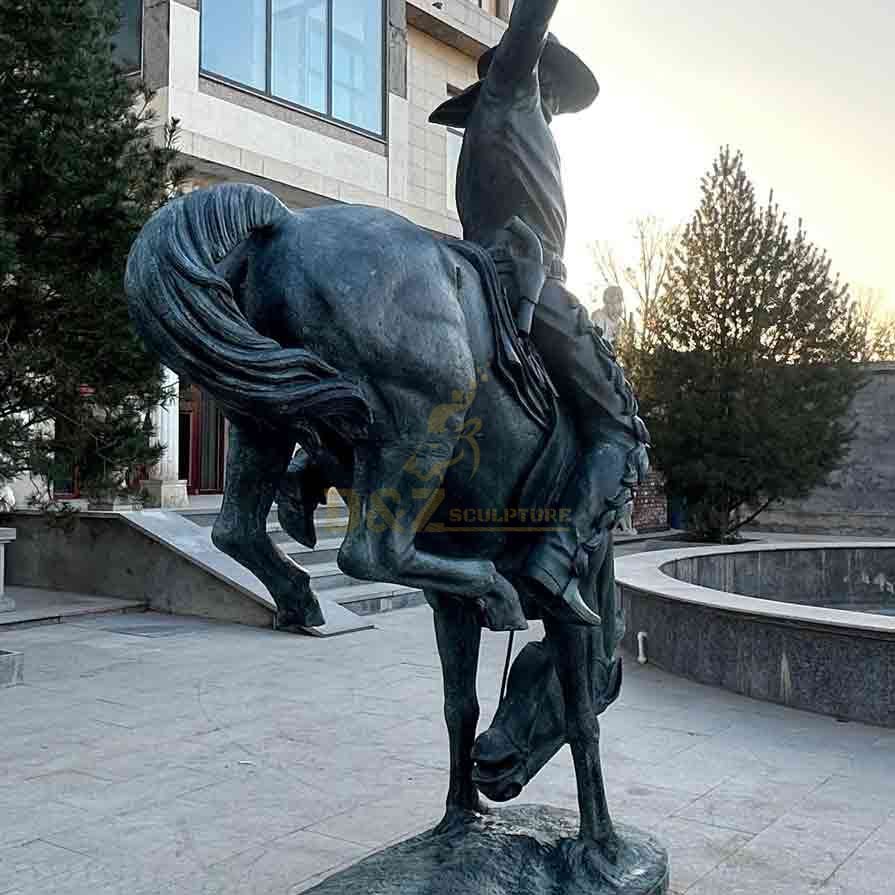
(878, 325)
(750, 366)
(82, 165)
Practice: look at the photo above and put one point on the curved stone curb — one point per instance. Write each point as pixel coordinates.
(835, 662)
(648, 572)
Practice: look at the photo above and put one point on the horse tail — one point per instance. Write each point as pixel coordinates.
(187, 314)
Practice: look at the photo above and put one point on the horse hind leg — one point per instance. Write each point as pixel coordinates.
(388, 506)
(256, 464)
(459, 637)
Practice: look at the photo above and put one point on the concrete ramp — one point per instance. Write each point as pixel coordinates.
(155, 557)
(193, 543)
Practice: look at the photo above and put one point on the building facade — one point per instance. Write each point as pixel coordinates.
(318, 101)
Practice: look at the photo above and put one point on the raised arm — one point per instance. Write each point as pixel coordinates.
(521, 46)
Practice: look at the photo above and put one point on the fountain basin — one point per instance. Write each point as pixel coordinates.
(809, 625)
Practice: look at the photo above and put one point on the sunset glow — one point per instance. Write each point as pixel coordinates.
(805, 90)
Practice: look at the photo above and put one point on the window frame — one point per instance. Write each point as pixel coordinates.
(131, 72)
(327, 116)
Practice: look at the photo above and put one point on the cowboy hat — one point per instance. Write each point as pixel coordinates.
(574, 82)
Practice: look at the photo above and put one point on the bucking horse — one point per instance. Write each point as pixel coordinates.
(381, 351)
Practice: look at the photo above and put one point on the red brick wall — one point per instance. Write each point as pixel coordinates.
(650, 504)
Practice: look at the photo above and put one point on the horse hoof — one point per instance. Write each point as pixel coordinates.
(456, 818)
(297, 521)
(599, 855)
(301, 617)
(502, 614)
(567, 607)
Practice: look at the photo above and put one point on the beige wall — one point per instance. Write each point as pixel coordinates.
(257, 142)
(432, 66)
(460, 23)
(240, 137)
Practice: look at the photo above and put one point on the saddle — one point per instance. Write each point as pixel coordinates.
(516, 359)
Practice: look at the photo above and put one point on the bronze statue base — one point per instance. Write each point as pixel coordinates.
(530, 850)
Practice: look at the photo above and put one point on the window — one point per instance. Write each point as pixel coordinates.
(299, 52)
(322, 55)
(128, 39)
(357, 62)
(234, 40)
(498, 8)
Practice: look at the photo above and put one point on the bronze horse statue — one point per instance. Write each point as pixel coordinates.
(370, 343)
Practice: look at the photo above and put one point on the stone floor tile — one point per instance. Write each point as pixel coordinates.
(694, 849)
(742, 876)
(176, 838)
(284, 863)
(397, 816)
(688, 772)
(22, 823)
(860, 803)
(61, 786)
(734, 810)
(140, 792)
(207, 767)
(287, 803)
(805, 845)
(886, 833)
(32, 863)
(869, 871)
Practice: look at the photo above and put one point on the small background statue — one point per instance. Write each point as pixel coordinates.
(7, 498)
(611, 316)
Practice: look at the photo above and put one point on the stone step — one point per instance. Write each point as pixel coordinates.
(373, 598)
(327, 550)
(203, 517)
(327, 522)
(331, 522)
(206, 515)
(327, 526)
(327, 576)
(38, 606)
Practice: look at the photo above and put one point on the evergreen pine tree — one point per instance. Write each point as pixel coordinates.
(751, 363)
(82, 165)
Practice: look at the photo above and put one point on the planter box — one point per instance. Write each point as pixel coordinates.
(12, 668)
(6, 535)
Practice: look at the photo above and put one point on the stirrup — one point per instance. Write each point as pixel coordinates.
(569, 607)
(574, 603)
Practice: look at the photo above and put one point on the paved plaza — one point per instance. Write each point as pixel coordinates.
(148, 754)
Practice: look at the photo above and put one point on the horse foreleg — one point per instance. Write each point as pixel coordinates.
(255, 465)
(571, 647)
(459, 637)
(300, 492)
(303, 488)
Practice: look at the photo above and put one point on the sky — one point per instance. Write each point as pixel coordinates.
(805, 89)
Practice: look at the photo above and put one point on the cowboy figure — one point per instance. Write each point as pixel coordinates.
(509, 183)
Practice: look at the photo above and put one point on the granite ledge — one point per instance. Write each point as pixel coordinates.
(645, 572)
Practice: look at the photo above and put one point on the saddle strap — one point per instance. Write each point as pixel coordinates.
(555, 267)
